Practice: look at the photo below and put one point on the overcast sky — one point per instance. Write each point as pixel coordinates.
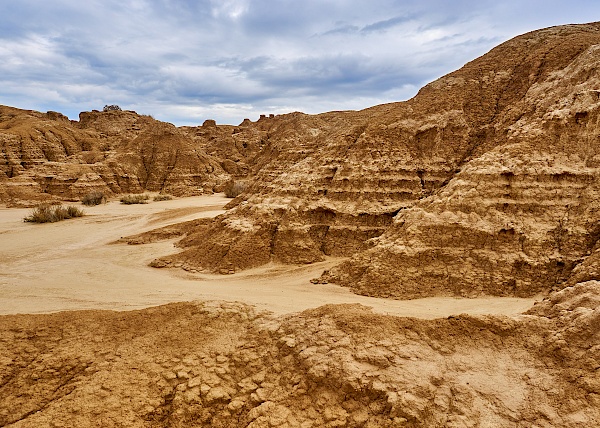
(184, 61)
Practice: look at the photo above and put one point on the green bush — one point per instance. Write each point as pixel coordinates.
(45, 213)
(234, 188)
(94, 198)
(159, 198)
(135, 199)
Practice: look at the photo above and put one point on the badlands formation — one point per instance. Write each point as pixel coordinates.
(486, 183)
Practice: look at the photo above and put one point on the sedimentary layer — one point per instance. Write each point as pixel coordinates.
(45, 156)
(485, 182)
(515, 220)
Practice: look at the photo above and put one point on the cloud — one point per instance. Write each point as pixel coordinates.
(387, 24)
(186, 60)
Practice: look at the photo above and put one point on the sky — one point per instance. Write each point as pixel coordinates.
(185, 61)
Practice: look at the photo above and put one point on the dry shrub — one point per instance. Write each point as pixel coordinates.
(112, 107)
(159, 198)
(45, 213)
(135, 199)
(234, 188)
(94, 198)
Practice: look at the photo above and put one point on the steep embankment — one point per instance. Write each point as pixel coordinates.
(490, 171)
(517, 219)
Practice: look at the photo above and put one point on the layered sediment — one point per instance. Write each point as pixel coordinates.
(46, 156)
(514, 221)
(484, 183)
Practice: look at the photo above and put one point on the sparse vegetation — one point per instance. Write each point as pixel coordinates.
(45, 213)
(141, 198)
(159, 198)
(94, 198)
(112, 107)
(234, 188)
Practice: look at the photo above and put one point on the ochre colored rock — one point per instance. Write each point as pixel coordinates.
(46, 156)
(224, 364)
(484, 183)
(517, 219)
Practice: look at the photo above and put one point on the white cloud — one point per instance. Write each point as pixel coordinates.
(233, 9)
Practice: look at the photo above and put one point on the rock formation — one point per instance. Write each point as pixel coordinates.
(45, 155)
(518, 218)
(485, 182)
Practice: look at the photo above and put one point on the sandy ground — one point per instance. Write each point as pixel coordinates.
(73, 265)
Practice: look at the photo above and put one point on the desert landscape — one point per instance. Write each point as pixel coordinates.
(427, 263)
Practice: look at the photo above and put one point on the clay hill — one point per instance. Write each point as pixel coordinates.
(46, 156)
(486, 182)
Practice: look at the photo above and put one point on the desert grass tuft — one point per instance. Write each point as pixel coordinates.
(45, 213)
(141, 198)
(94, 198)
(159, 198)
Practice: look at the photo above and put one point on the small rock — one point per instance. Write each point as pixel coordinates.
(221, 370)
(192, 395)
(194, 382)
(169, 375)
(236, 404)
(217, 393)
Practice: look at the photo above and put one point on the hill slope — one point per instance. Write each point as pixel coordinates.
(485, 182)
(45, 155)
(223, 364)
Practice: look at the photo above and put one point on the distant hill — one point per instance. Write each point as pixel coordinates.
(46, 156)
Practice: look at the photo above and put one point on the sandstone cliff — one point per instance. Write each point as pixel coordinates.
(490, 175)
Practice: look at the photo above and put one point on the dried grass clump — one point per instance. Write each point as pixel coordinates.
(159, 198)
(94, 198)
(234, 188)
(45, 213)
(135, 199)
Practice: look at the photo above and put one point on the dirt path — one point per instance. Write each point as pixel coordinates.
(72, 265)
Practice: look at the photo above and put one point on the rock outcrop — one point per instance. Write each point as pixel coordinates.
(45, 156)
(485, 182)
(517, 219)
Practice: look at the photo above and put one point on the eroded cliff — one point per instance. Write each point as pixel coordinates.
(490, 175)
(46, 156)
